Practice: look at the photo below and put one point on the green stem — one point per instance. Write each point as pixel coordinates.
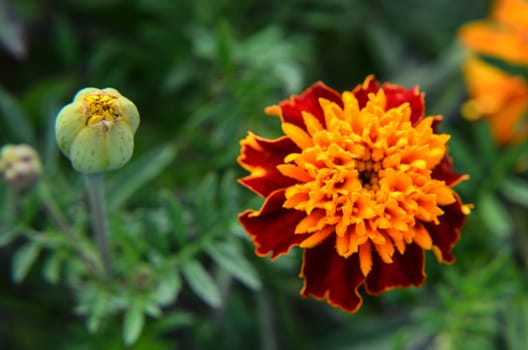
(95, 190)
(11, 205)
(56, 215)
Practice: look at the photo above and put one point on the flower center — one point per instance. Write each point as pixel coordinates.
(365, 176)
(101, 109)
(368, 174)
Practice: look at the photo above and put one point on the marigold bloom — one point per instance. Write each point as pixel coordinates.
(362, 182)
(495, 94)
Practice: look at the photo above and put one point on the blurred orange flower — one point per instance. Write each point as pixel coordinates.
(362, 182)
(496, 94)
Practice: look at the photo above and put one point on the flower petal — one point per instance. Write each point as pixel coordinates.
(291, 111)
(493, 39)
(396, 96)
(273, 227)
(444, 171)
(330, 276)
(447, 232)
(262, 156)
(405, 270)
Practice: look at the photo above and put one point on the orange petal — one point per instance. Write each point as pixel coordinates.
(365, 258)
(297, 135)
(421, 237)
(309, 223)
(317, 238)
(294, 172)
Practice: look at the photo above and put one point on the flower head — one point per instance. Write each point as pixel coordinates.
(362, 182)
(96, 131)
(19, 165)
(495, 94)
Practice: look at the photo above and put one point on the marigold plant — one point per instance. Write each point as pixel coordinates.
(496, 94)
(362, 182)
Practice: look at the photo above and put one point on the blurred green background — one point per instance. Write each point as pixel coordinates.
(201, 73)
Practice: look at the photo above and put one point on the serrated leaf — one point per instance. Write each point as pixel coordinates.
(202, 283)
(176, 217)
(138, 173)
(133, 324)
(229, 257)
(229, 193)
(205, 200)
(23, 260)
(168, 288)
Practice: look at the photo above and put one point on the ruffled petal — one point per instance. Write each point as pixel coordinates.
(361, 92)
(444, 171)
(328, 275)
(447, 232)
(291, 110)
(406, 270)
(272, 227)
(396, 95)
(261, 157)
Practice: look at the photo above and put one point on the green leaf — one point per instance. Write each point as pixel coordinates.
(12, 36)
(516, 190)
(229, 194)
(176, 216)
(23, 260)
(224, 41)
(484, 138)
(7, 235)
(230, 258)
(133, 324)
(494, 215)
(168, 288)
(201, 283)
(52, 268)
(516, 325)
(138, 173)
(15, 119)
(205, 201)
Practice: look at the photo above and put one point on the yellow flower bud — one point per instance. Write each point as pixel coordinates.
(96, 131)
(19, 165)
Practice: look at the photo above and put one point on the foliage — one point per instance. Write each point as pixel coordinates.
(184, 273)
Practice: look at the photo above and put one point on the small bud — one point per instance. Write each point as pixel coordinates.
(96, 131)
(19, 166)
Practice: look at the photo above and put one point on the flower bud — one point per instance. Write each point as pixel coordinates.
(19, 166)
(96, 130)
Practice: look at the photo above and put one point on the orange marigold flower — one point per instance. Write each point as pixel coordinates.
(362, 182)
(495, 94)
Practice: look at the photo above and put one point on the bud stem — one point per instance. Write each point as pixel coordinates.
(57, 216)
(95, 190)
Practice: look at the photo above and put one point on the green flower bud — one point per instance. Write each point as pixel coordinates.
(96, 131)
(19, 166)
